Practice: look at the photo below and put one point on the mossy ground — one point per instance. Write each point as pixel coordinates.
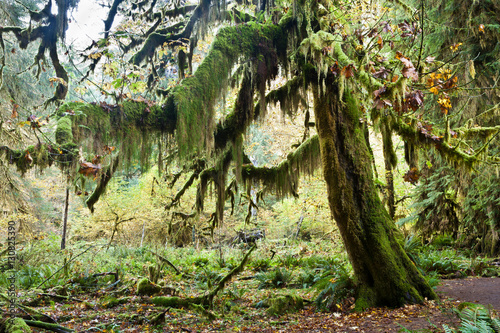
(103, 307)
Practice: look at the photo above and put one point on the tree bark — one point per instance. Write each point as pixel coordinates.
(384, 274)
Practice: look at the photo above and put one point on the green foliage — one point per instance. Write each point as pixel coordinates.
(333, 289)
(276, 278)
(475, 318)
(260, 264)
(435, 208)
(306, 277)
(439, 259)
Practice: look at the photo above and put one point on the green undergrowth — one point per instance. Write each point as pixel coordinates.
(442, 258)
(297, 273)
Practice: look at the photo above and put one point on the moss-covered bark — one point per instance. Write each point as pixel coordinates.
(384, 273)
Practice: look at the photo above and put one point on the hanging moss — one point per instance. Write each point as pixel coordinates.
(194, 100)
(40, 156)
(284, 178)
(290, 95)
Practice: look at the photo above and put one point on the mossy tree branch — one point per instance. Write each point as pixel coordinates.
(284, 177)
(51, 28)
(156, 39)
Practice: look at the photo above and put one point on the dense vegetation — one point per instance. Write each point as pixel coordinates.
(174, 114)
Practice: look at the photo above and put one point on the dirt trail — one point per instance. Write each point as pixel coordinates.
(473, 289)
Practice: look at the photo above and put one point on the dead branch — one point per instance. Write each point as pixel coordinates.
(165, 260)
(48, 326)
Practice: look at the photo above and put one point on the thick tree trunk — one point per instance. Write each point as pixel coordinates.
(384, 273)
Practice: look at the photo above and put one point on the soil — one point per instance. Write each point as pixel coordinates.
(484, 291)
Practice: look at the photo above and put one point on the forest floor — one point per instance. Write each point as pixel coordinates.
(428, 317)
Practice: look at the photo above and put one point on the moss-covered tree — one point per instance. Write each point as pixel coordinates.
(358, 69)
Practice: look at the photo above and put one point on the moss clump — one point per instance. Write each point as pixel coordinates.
(147, 288)
(16, 325)
(283, 304)
(174, 302)
(109, 302)
(64, 132)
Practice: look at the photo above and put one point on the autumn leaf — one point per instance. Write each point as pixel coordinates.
(380, 42)
(14, 111)
(382, 73)
(412, 176)
(348, 71)
(59, 80)
(109, 149)
(382, 103)
(335, 68)
(409, 70)
(377, 93)
(414, 99)
(430, 60)
(97, 159)
(454, 48)
(445, 104)
(386, 26)
(89, 169)
(408, 30)
(28, 157)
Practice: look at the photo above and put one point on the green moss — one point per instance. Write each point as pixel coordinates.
(175, 302)
(284, 304)
(362, 304)
(64, 132)
(146, 287)
(109, 302)
(16, 325)
(194, 100)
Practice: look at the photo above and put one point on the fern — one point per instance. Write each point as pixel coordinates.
(475, 319)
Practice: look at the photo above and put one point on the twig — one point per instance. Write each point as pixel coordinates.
(66, 264)
(165, 260)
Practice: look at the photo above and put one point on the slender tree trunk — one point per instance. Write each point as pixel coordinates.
(65, 220)
(384, 274)
(389, 162)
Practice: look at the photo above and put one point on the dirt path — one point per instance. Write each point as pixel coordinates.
(475, 290)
